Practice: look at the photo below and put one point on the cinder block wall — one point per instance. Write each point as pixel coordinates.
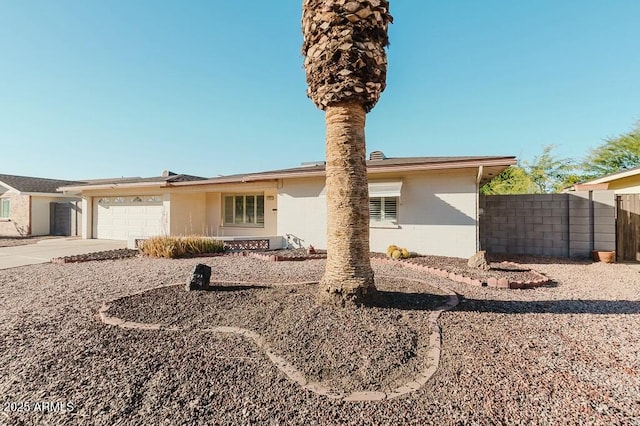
(564, 225)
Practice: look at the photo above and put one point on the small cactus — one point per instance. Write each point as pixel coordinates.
(395, 252)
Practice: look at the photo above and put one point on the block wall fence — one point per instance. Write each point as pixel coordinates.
(565, 225)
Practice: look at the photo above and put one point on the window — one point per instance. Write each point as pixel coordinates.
(243, 210)
(383, 210)
(5, 203)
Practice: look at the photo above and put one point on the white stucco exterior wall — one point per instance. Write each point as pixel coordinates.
(41, 214)
(302, 212)
(188, 214)
(86, 227)
(436, 214)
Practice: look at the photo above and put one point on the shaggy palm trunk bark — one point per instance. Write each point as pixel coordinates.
(348, 275)
(346, 67)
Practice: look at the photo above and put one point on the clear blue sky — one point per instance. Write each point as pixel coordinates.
(92, 89)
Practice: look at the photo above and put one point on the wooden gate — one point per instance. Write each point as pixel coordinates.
(628, 228)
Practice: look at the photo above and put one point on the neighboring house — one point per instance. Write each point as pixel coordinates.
(33, 206)
(426, 204)
(623, 182)
(625, 185)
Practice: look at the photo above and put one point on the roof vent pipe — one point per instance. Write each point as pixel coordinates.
(377, 155)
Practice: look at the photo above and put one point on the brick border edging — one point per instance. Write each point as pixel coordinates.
(433, 355)
(407, 263)
(491, 282)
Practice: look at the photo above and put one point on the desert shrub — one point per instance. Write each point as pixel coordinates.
(172, 247)
(391, 249)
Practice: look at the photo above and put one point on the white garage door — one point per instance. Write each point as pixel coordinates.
(118, 218)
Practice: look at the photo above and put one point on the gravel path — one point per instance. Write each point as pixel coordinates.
(566, 354)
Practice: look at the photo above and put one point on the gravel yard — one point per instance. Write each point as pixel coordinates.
(565, 354)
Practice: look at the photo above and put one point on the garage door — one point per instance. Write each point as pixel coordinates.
(118, 218)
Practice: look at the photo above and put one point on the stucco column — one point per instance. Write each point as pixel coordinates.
(87, 217)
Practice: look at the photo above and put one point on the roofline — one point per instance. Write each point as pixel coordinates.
(46, 194)
(9, 187)
(375, 168)
(589, 186)
(614, 176)
(302, 173)
(112, 185)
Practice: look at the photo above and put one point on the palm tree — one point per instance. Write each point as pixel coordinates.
(346, 68)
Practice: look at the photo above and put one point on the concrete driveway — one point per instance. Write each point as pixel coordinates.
(45, 250)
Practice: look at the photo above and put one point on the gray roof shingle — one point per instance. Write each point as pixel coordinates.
(35, 184)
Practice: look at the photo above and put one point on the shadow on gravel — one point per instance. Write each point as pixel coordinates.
(214, 287)
(406, 301)
(541, 260)
(599, 307)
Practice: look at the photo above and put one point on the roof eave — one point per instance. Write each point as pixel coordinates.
(376, 168)
(9, 187)
(83, 188)
(45, 194)
(591, 186)
(508, 161)
(614, 176)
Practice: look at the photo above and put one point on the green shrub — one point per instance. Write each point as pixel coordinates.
(172, 247)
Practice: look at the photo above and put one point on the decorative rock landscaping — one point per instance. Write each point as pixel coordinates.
(508, 275)
(562, 354)
(101, 255)
(287, 368)
(532, 278)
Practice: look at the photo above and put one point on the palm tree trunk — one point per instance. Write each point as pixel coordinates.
(348, 275)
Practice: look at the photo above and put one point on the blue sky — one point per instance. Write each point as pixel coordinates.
(92, 89)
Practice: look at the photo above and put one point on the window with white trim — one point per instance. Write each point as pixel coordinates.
(5, 206)
(383, 210)
(243, 210)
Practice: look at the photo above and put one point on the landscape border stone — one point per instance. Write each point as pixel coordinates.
(407, 263)
(292, 373)
(491, 282)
